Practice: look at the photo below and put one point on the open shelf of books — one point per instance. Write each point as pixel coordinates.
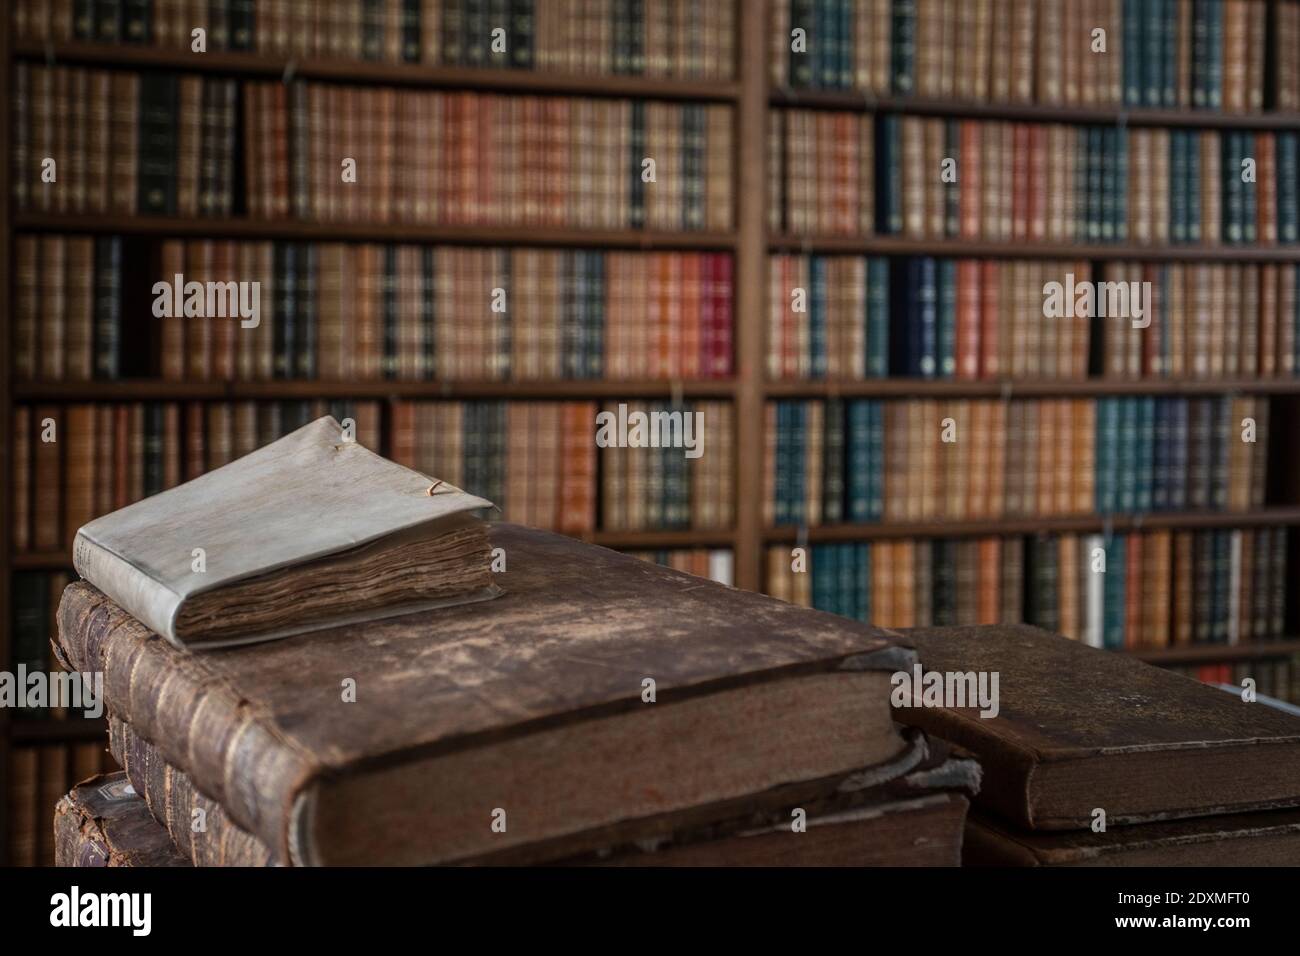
(964, 314)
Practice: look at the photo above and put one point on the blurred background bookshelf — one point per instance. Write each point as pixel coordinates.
(520, 168)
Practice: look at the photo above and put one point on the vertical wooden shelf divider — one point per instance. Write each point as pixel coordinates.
(750, 289)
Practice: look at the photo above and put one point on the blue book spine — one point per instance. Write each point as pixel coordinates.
(878, 317)
(846, 563)
(863, 582)
(1200, 52)
(1214, 54)
(927, 308)
(947, 318)
(1153, 46)
(1178, 465)
(796, 445)
(817, 317)
(1146, 453)
(1107, 440)
(1169, 54)
(823, 576)
(1096, 163)
(1113, 593)
(1249, 191)
(1288, 186)
(781, 489)
(1177, 186)
(1119, 184)
(904, 44)
(1126, 460)
(1132, 53)
(876, 471)
(859, 458)
(1163, 451)
(1109, 181)
(1191, 185)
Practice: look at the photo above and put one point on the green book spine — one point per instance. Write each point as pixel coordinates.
(1200, 53)
(1233, 199)
(1132, 53)
(1109, 182)
(859, 461)
(1191, 183)
(1249, 190)
(153, 448)
(522, 29)
(1169, 54)
(802, 63)
(1146, 444)
(1153, 46)
(1126, 464)
(1214, 55)
(862, 581)
(157, 144)
(823, 575)
(876, 485)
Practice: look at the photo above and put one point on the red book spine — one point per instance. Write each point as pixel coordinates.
(990, 286)
(722, 336)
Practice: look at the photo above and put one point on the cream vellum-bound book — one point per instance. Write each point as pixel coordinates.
(310, 531)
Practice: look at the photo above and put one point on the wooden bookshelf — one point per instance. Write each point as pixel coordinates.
(749, 241)
(129, 390)
(1033, 112)
(483, 79)
(1090, 523)
(1068, 251)
(213, 228)
(1028, 388)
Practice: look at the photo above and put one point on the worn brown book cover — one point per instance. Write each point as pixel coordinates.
(398, 741)
(104, 822)
(1080, 729)
(1265, 838)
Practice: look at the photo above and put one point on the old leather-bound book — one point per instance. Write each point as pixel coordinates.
(309, 531)
(103, 822)
(878, 817)
(1080, 729)
(598, 690)
(1263, 838)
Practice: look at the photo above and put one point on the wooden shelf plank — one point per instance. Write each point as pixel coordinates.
(1032, 112)
(944, 528)
(153, 389)
(240, 228)
(352, 71)
(990, 249)
(1027, 388)
(1208, 653)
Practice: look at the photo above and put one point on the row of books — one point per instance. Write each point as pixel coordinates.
(834, 461)
(1276, 677)
(834, 173)
(72, 463)
(334, 153)
(38, 776)
(101, 141)
(681, 38)
(1207, 54)
(848, 317)
(1287, 29)
(1138, 591)
(342, 311)
(34, 625)
(537, 461)
(716, 563)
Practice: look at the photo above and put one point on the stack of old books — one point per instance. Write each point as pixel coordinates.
(1096, 759)
(536, 700)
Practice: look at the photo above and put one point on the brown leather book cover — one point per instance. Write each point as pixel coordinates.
(24, 435)
(104, 822)
(79, 469)
(300, 766)
(1266, 838)
(47, 477)
(1148, 744)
